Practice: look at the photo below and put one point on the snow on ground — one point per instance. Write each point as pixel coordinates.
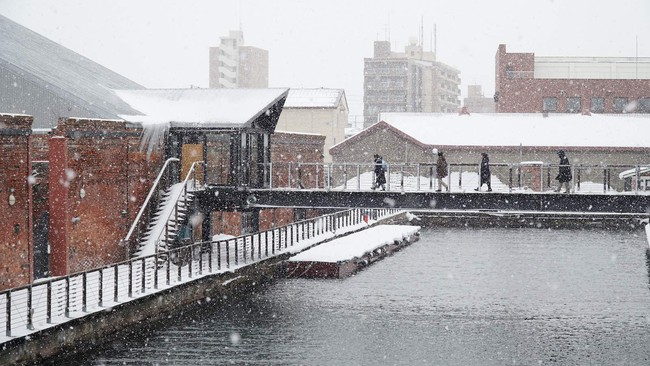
(469, 181)
(356, 244)
(219, 237)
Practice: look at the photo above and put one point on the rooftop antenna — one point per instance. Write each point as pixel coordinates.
(435, 41)
(240, 26)
(421, 36)
(636, 60)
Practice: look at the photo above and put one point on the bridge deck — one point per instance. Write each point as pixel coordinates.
(587, 203)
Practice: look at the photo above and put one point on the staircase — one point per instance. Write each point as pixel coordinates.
(165, 212)
(170, 216)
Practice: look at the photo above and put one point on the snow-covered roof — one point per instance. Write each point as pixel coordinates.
(59, 71)
(527, 129)
(315, 98)
(200, 107)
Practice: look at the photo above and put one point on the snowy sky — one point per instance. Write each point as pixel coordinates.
(164, 43)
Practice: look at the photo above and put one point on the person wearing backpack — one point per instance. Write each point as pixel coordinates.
(441, 171)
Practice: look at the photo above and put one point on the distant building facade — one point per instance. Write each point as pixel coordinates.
(412, 81)
(526, 83)
(318, 111)
(233, 65)
(476, 102)
(615, 144)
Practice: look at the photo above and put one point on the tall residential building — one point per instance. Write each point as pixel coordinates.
(412, 81)
(527, 83)
(233, 65)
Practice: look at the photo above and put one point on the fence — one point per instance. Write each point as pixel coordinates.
(519, 177)
(41, 305)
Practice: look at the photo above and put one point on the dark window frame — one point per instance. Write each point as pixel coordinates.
(549, 101)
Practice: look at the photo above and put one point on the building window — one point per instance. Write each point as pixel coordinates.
(573, 105)
(643, 105)
(620, 104)
(550, 104)
(597, 105)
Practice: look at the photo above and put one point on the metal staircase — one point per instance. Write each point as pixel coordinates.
(165, 212)
(170, 217)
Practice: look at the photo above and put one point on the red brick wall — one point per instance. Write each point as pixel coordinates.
(15, 234)
(302, 151)
(521, 93)
(531, 176)
(226, 223)
(275, 217)
(103, 159)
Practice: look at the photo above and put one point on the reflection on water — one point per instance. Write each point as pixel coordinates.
(456, 297)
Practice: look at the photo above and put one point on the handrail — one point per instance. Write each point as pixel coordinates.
(37, 306)
(146, 201)
(183, 193)
(348, 176)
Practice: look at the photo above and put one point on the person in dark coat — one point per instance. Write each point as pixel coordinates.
(441, 171)
(564, 175)
(486, 176)
(380, 173)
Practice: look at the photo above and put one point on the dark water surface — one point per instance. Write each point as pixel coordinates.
(456, 297)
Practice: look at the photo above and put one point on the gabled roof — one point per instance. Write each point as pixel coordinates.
(381, 125)
(316, 98)
(61, 71)
(203, 108)
(524, 129)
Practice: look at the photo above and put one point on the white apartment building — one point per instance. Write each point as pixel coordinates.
(319, 111)
(412, 81)
(233, 65)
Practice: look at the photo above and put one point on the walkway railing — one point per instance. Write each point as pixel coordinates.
(41, 305)
(517, 177)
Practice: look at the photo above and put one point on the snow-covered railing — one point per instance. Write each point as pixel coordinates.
(506, 177)
(161, 183)
(181, 197)
(46, 303)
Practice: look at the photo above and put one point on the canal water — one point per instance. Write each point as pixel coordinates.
(456, 297)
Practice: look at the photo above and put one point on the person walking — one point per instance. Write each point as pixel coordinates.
(564, 174)
(485, 175)
(441, 170)
(380, 173)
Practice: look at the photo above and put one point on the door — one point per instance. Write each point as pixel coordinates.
(191, 153)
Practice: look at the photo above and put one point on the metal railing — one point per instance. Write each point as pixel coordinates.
(161, 184)
(515, 177)
(40, 305)
(190, 181)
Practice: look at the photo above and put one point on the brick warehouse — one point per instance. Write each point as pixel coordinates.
(90, 173)
(88, 181)
(15, 167)
(526, 83)
(98, 178)
(618, 141)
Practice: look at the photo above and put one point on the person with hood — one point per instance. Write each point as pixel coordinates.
(564, 175)
(485, 175)
(380, 173)
(441, 170)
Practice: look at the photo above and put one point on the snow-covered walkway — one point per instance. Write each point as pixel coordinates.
(55, 301)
